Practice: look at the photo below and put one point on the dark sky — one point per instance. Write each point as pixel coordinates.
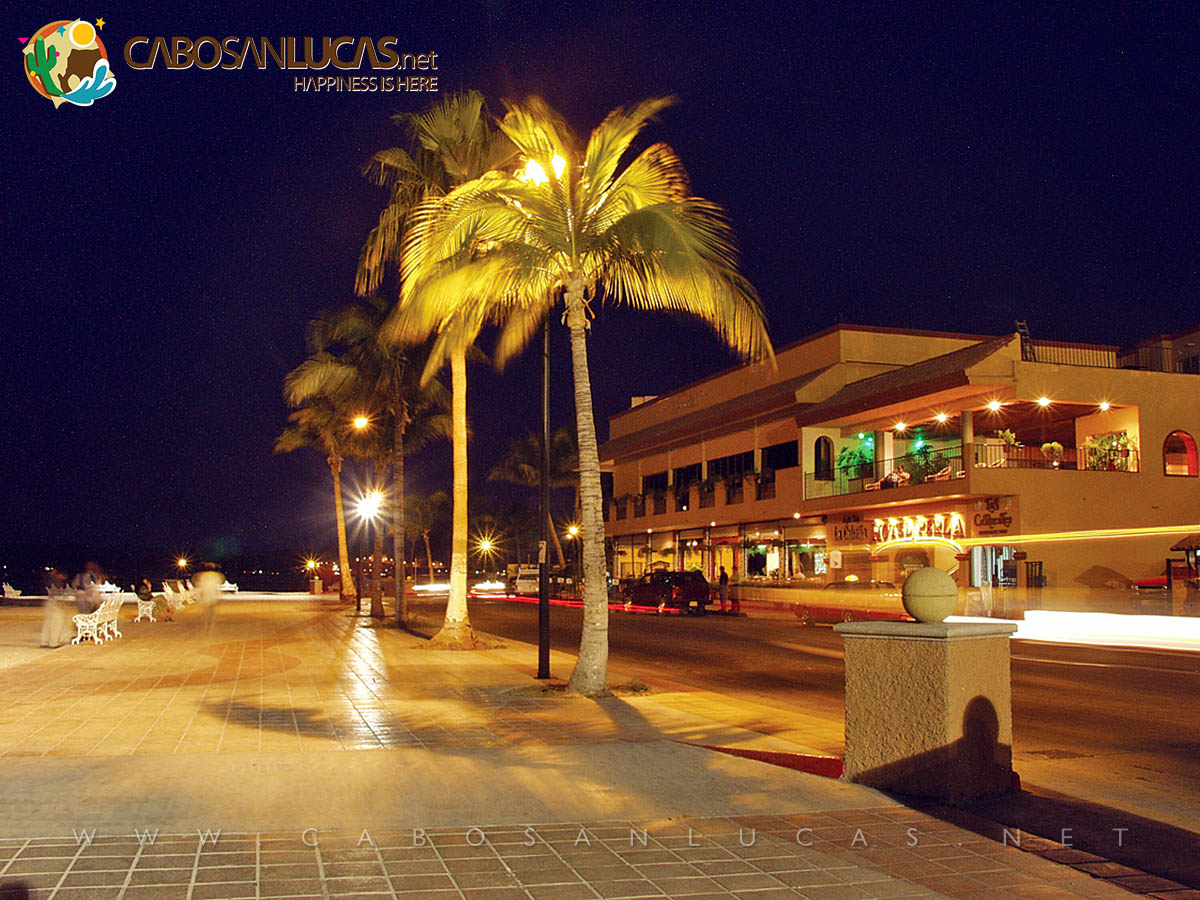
(900, 164)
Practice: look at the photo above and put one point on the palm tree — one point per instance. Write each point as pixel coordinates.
(423, 513)
(575, 226)
(321, 426)
(352, 357)
(453, 145)
(522, 464)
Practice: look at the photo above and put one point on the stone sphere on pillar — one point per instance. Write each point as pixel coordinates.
(929, 595)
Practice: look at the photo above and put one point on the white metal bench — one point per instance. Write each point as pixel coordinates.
(145, 610)
(98, 626)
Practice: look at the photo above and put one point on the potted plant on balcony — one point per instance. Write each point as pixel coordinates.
(1053, 451)
(1011, 445)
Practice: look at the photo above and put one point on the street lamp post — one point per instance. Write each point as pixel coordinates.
(543, 670)
(368, 508)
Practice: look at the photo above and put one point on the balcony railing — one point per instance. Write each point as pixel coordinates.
(946, 464)
(927, 465)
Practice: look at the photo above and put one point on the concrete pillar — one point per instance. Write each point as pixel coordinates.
(929, 708)
(968, 438)
(885, 450)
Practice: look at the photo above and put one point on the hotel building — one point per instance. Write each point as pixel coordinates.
(1039, 473)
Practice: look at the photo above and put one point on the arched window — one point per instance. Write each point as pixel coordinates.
(1179, 455)
(823, 454)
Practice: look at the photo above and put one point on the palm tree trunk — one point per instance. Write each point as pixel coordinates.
(558, 550)
(591, 669)
(348, 593)
(398, 520)
(377, 570)
(456, 630)
(429, 557)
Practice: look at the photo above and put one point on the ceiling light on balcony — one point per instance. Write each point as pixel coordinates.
(1043, 401)
(993, 406)
(1105, 406)
(941, 418)
(900, 426)
(795, 515)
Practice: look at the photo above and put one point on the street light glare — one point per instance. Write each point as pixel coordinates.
(572, 531)
(361, 422)
(370, 504)
(535, 173)
(182, 562)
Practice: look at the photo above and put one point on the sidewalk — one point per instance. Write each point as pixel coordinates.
(337, 759)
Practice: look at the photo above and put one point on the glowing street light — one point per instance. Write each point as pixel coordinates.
(182, 562)
(535, 173)
(310, 564)
(572, 531)
(369, 505)
(361, 422)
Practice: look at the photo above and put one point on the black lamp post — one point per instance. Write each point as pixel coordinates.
(543, 564)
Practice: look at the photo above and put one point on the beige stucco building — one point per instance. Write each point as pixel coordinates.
(1040, 474)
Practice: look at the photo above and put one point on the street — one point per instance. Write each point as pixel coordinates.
(1119, 728)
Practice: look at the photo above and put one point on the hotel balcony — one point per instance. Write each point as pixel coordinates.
(770, 494)
(956, 470)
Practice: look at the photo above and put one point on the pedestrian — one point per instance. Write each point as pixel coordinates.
(208, 584)
(723, 587)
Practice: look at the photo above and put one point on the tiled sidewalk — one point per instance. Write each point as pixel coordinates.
(864, 855)
(279, 677)
(279, 693)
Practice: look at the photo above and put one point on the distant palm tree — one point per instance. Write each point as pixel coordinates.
(522, 464)
(573, 226)
(352, 359)
(453, 144)
(321, 426)
(424, 513)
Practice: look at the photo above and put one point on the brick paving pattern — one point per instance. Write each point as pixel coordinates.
(860, 855)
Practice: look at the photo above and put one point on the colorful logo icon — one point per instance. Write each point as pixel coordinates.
(67, 63)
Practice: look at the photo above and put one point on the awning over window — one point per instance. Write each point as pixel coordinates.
(1191, 542)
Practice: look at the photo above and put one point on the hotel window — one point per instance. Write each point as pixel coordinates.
(685, 477)
(781, 456)
(823, 456)
(1179, 455)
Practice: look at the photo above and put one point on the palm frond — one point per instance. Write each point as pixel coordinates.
(609, 141)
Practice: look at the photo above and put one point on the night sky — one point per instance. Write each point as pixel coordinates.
(903, 164)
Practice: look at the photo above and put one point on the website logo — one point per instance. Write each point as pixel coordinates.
(66, 63)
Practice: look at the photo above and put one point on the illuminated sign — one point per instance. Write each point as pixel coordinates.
(852, 533)
(914, 529)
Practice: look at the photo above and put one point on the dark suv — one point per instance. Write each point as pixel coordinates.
(685, 591)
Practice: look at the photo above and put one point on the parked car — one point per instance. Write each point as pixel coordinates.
(687, 592)
(846, 601)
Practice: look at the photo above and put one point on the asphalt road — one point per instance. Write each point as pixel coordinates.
(1115, 727)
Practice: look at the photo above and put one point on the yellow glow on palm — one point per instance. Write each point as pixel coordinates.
(535, 173)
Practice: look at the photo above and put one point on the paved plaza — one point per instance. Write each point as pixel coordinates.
(298, 751)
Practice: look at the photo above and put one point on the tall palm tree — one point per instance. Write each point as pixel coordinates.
(351, 357)
(575, 225)
(423, 513)
(453, 144)
(522, 464)
(320, 425)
